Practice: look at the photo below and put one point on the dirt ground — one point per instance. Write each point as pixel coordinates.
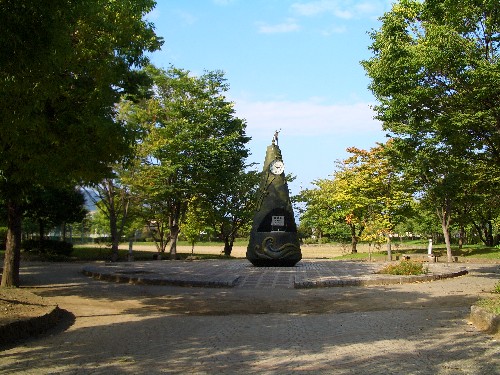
(25, 303)
(18, 304)
(120, 328)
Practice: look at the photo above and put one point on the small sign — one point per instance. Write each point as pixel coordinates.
(278, 221)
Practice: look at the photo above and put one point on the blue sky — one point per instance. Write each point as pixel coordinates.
(291, 65)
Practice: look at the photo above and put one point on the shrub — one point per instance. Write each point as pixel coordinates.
(50, 247)
(490, 304)
(405, 267)
(496, 289)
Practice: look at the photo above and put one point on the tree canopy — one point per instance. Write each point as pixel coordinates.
(63, 66)
(364, 194)
(191, 145)
(435, 72)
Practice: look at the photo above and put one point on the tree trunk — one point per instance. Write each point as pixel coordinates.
(228, 245)
(174, 234)
(354, 239)
(41, 235)
(489, 235)
(115, 240)
(461, 237)
(479, 232)
(64, 232)
(10, 275)
(389, 249)
(445, 218)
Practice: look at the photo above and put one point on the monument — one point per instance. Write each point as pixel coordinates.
(274, 241)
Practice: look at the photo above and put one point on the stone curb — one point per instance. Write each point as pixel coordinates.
(145, 280)
(120, 276)
(387, 280)
(25, 328)
(485, 320)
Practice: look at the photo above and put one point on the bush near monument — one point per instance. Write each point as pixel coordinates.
(405, 267)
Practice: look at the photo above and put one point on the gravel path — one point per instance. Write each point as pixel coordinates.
(116, 328)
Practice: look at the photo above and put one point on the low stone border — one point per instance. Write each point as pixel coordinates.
(149, 278)
(485, 320)
(25, 328)
(374, 280)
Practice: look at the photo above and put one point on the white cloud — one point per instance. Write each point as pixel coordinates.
(307, 118)
(345, 9)
(186, 17)
(288, 26)
(313, 8)
(328, 31)
(222, 2)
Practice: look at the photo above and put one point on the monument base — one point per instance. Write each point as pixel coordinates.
(274, 249)
(274, 262)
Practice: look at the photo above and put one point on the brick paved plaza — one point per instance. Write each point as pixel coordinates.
(259, 324)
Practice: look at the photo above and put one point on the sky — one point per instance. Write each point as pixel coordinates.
(292, 66)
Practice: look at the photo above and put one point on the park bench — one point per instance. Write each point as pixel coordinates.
(422, 257)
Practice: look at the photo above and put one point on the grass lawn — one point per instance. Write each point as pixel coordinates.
(203, 250)
(467, 253)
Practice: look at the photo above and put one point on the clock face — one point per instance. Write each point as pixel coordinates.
(277, 167)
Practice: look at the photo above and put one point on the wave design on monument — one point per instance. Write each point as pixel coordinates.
(267, 250)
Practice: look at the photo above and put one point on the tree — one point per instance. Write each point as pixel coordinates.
(114, 200)
(195, 222)
(315, 216)
(63, 66)
(435, 73)
(479, 203)
(192, 143)
(365, 192)
(54, 206)
(232, 206)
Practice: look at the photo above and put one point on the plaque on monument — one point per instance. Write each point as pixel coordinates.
(273, 240)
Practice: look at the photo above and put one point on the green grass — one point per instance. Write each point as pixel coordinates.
(468, 252)
(91, 254)
(101, 253)
(492, 304)
(237, 242)
(379, 255)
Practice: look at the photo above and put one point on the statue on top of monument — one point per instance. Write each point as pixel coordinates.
(275, 138)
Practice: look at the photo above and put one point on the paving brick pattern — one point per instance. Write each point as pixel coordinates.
(121, 328)
(241, 274)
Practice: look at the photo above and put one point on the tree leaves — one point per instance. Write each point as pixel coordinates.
(191, 145)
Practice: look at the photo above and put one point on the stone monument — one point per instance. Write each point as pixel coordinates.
(274, 241)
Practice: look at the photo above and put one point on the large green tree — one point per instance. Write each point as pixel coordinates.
(63, 66)
(192, 144)
(435, 72)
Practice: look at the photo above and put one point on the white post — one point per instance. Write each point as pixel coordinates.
(429, 251)
(130, 254)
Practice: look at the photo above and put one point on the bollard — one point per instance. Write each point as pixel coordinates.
(130, 256)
